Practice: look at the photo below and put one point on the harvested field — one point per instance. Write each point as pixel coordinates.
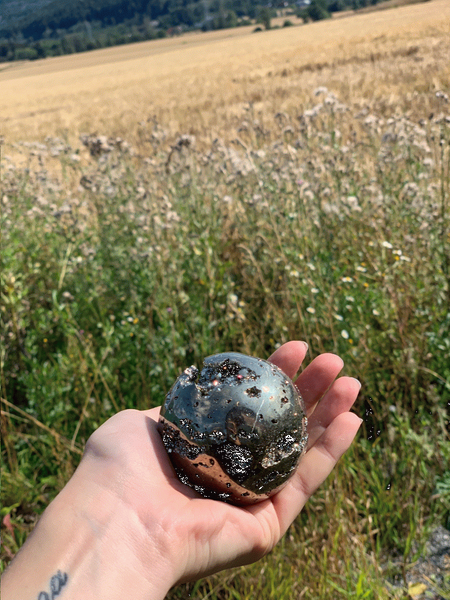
(199, 83)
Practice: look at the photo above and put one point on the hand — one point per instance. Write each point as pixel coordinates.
(128, 501)
(204, 536)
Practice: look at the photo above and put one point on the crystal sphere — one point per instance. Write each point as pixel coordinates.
(236, 430)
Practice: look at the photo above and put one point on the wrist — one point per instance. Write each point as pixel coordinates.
(89, 543)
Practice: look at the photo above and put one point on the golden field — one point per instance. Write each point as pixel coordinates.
(201, 83)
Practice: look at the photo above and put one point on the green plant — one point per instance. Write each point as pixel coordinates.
(109, 292)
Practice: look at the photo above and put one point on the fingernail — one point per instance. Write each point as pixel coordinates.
(306, 346)
(357, 381)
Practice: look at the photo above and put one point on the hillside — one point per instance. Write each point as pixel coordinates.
(13, 11)
(40, 28)
(42, 18)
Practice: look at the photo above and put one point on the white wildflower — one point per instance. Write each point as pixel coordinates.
(233, 299)
(329, 208)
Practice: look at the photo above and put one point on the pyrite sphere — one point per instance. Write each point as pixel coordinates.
(234, 431)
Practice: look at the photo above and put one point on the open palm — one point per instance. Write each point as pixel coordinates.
(199, 536)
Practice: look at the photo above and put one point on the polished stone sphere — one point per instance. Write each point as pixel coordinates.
(234, 431)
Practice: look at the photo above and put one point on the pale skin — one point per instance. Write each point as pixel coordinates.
(125, 526)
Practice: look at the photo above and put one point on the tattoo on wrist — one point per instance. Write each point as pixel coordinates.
(57, 582)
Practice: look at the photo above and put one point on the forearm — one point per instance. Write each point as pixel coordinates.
(84, 546)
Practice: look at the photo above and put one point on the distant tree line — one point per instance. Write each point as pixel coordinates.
(323, 9)
(63, 27)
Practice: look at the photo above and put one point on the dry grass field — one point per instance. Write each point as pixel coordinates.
(202, 83)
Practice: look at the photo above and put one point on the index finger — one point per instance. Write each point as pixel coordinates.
(317, 378)
(289, 357)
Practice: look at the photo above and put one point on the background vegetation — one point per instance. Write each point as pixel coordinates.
(29, 31)
(326, 220)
